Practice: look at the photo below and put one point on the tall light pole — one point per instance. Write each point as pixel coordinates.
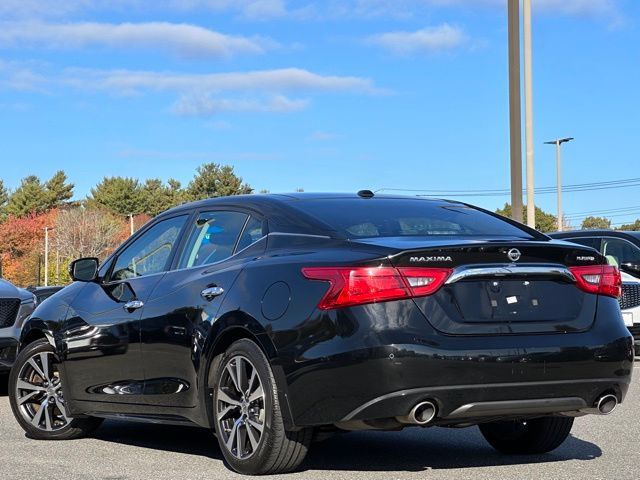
(558, 142)
(528, 112)
(515, 115)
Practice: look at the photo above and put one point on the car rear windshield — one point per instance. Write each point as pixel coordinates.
(378, 217)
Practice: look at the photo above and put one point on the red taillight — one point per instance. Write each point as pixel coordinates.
(360, 285)
(598, 279)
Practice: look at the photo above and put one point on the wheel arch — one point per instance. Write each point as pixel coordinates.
(35, 329)
(228, 329)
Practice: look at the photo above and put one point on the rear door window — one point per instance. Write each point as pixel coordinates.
(619, 251)
(251, 234)
(213, 238)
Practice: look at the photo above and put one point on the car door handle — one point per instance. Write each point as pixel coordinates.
(210, 293)
(133, 305)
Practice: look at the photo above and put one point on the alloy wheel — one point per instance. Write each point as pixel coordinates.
(39, 393)
(240, 407)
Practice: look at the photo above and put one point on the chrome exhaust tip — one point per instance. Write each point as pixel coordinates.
(421, 414)
(607, 404)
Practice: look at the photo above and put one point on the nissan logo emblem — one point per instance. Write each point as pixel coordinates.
(514, 254)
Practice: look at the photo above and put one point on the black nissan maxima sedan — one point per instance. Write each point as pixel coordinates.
(266, 318)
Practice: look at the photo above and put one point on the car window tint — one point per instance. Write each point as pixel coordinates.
(213, 238)
(620, 251)
(391, 217)
(593, 242)
(252, 233)
(149, 253)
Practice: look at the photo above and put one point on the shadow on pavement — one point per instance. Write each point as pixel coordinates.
(4, 381)
(188, 440)
(411, 450)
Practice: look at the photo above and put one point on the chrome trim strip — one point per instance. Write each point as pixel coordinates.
(474, 271)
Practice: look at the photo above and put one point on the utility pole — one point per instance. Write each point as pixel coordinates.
(515, 114)
(528, 112)
(131, 223)
(46, 256)
(57, 266)
(558, 144)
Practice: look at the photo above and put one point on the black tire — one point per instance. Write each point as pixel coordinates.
(536, 436)
(68, 428)
(277, 450)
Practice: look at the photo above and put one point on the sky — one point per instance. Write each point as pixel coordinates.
(325, 96)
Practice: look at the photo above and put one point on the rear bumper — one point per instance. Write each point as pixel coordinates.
(635, 331)
(375, 371)
(475, 403)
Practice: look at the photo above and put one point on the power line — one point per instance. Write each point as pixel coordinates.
(578, 187)
(610, 210)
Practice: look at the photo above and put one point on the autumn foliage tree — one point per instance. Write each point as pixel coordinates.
(22, 245)
(94, 226)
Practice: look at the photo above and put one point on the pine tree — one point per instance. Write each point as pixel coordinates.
(30, 197)
(214, 180)
(119, 195)
(59, 189)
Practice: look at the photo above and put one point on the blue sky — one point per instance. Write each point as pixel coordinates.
(325, 96)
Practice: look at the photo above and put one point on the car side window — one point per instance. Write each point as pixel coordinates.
(620, 251)
(593, 242)
(213, 238)
(149, 253)
(251, 234)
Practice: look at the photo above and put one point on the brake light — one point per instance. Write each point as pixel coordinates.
(349, 286)
(598, 279)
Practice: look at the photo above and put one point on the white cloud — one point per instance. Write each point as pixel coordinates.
(21, 76)
(322, 136)
(428, 40)
(269, 9)
(270, 81)
(205, 105)
(182, 39)
(198, 94)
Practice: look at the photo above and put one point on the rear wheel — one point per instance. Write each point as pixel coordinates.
(536, 436)
(37, 401)
(248, 420)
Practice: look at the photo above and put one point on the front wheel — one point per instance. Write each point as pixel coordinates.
(536, 436)
(35, 393)
(248, 420)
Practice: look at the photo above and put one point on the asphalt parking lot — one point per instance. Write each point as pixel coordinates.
(600, 447)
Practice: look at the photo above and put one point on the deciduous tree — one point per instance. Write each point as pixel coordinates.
(592, 223)
(87, 232)
(545, 222)
(635, 226)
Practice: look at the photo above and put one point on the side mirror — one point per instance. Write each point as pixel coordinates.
(84, 269)
(631, 268)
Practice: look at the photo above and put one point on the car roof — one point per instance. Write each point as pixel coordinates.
(274, 199)
(595, 233)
